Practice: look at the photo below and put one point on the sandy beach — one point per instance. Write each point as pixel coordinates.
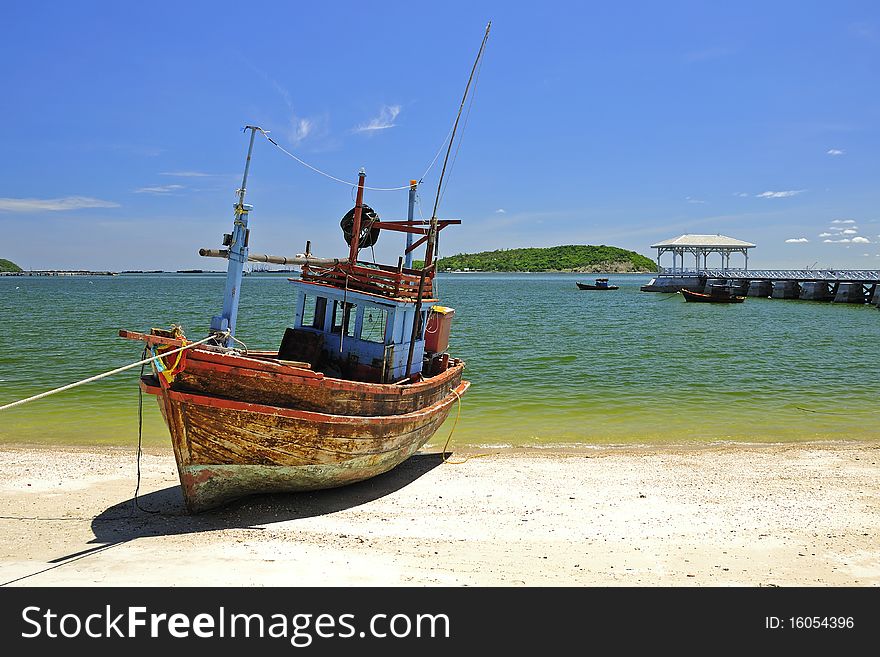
(726, 515)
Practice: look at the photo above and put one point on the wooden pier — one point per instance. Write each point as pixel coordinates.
(834, 285)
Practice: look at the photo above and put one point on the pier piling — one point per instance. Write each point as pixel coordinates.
(850, 293)
(829, 285)
(786, 290)
(760, 289)
(816, 291)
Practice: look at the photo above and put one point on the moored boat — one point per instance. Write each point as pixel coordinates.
(720, 295)
(361, 380)
(356, 386)
(600, 284)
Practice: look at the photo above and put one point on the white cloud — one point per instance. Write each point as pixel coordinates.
(741, 194)
(796, 240)
(850, 231)
(835, 151)
(843, 221)
(785, 194)
(845, 240)
(824, 234)
(300, 129)
(384, 121)
(158, 189)
(500, 211)
(53, 204)
(861, 240)
(690, 199)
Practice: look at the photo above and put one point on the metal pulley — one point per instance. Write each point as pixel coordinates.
(369, 233)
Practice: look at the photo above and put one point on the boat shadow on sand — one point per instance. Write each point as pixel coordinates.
(163, 513)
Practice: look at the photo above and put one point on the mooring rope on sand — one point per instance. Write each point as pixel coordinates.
(97, 377)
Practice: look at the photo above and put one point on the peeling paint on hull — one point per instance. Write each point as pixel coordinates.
(263, 381)
(226, 449)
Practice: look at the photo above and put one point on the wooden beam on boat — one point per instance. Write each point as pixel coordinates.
(413, 226)
(150, 339)
(277, 260)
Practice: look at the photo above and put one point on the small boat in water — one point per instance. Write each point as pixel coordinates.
(717, 294)
(600, 284)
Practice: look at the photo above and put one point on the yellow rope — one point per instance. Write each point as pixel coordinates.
(449, 437)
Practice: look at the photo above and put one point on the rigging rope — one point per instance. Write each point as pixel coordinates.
(464, 126)
(214, 336)
(140, 441)
(430, 166)
(346, 182)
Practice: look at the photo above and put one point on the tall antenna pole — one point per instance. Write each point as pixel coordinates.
(432, 229)
(413, 186)
(237, 241)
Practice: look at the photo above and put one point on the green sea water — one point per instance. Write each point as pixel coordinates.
(550, 365)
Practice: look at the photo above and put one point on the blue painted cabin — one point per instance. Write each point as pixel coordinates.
(354, 335)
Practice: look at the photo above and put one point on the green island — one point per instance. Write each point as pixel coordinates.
(569, 258)
(8, 265)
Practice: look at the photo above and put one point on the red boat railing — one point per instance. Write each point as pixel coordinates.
(397, 283)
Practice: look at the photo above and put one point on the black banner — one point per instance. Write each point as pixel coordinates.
(434, 620)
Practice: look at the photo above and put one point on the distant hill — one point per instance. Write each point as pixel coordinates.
(570, 258)
(8, 265)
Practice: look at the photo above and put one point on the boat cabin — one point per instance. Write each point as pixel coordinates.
(353, 334)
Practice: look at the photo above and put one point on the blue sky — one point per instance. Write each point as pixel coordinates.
(619, 123)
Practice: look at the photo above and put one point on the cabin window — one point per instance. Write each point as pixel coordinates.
(313, 311)
(320, 312)
(344, 314)
(374, 323)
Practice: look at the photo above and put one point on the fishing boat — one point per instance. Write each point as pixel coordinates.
(717, 294)
(361, 379)
(600, 284)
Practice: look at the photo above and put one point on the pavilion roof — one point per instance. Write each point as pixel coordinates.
(707, 241)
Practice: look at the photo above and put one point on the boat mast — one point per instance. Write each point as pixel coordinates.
(432, 230)
(413, 186)
(237, 242)
(356, 224)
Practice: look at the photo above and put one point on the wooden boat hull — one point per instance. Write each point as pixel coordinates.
(227, 449)
(700, 297)
(265, 381)
(261, 378)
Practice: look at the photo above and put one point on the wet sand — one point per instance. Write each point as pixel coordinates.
(728, 515)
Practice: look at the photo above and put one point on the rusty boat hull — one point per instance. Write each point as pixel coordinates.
(227, 449)
(265, 380)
